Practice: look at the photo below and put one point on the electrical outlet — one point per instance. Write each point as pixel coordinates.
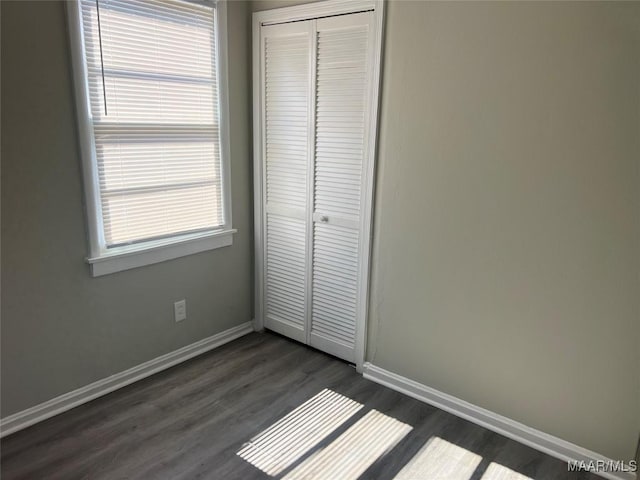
(180, 310)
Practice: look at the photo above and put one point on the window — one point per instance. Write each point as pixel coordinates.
(150, 82)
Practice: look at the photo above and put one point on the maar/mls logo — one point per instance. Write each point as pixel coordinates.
(600, 466)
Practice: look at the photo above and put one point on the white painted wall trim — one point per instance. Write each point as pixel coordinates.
(306, 11)
(519, 432)
(55, 406)
(148, 253)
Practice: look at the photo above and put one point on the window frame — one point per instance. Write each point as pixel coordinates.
(104, 261)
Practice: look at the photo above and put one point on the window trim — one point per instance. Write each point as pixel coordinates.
(102, 260)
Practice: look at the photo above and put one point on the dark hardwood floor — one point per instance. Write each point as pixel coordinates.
(228, 415)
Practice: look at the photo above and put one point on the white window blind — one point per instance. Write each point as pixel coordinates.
(152, 81)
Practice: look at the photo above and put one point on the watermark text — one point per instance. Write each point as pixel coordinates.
(600, 466)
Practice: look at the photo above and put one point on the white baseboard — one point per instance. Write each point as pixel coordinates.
(55, 406)
(531, 437)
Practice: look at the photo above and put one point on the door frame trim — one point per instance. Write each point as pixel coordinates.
(312, 11)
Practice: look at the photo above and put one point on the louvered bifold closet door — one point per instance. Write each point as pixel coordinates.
(342, 82)
(287, 92)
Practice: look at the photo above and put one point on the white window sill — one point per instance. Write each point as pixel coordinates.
(139, 255)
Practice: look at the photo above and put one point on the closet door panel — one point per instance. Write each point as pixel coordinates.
(287, 96)
(342, 76)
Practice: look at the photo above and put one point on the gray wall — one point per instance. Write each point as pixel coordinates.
(507, 236)
(61, 328)
(506, 244)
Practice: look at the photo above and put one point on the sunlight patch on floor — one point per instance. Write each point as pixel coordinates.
(440, 460)
(495, 471)
(349, 455)
(279, 446)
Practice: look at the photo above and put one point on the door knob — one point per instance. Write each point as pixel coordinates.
(324, 218)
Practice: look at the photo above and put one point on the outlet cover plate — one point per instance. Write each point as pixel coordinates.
(180, 310)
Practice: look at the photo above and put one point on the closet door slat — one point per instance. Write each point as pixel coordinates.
(286, 93)
(340, 131)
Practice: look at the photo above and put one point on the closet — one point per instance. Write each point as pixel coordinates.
(315, 88)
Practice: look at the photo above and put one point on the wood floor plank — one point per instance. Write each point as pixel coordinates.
(190, 422)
